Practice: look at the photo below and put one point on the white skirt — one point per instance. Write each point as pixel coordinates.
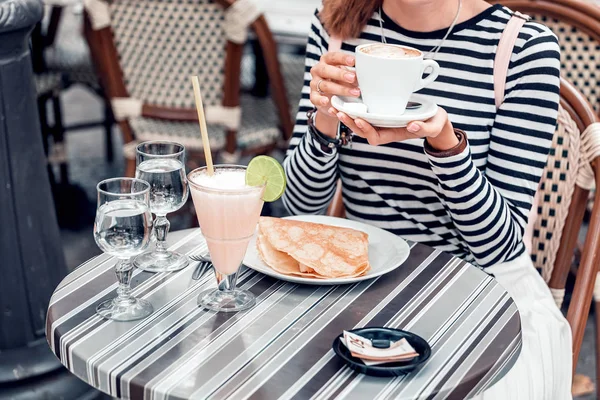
(544, 367)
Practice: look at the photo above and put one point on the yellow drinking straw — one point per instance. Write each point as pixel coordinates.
(202, 121)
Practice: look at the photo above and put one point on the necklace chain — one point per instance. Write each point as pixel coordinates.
(435, 49)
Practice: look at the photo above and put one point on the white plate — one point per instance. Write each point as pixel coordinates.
(386, 252)
(428, 110)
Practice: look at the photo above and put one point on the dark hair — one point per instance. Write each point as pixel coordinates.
(347, 18)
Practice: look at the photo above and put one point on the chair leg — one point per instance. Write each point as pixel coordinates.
(46, 132)
(41, 103)
(59, 139)
(582, 384)
(193, 218)
(261, 84)
(130, 168)
(597, 315)
(108, 124)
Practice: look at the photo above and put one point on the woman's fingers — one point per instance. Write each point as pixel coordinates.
(334, 89)
(375, 136)
(331, 78)
(338, 58)
(322, 103)
(378, 136)
(333, 81)
(322, 88)
(432, 127)
(323, 100)
(366, 130)
(318, 100)
(390, 135)
(334, 73)
(360, 128)
(331, 111)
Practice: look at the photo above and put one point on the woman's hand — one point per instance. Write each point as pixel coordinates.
(438, 130)
(331, 78)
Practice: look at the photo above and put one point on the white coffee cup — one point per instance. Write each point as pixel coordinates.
(389, 74)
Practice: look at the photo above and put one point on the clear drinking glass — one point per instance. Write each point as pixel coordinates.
(227, 212)
(162, 165)
(122, 229)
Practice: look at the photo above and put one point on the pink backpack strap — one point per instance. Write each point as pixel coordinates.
(504, 52)
(501, 62)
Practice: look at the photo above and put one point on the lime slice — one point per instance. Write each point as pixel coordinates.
(266, 169)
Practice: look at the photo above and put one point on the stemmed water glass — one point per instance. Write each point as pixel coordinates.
(162, 165)
(122, 229)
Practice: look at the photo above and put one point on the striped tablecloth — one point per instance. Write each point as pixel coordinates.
(281, 348)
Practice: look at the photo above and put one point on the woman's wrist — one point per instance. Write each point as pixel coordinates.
(445, 140)
(326, 124)
(460, 147)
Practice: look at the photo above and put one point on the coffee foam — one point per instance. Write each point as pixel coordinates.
(387, 51)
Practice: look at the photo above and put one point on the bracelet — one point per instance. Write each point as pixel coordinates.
(343, 135)
(459, 148)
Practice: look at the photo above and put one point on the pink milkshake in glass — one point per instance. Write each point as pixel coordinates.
(228, 211)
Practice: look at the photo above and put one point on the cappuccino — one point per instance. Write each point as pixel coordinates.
(388, 75)
(390, 51)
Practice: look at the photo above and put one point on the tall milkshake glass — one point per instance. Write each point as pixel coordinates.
(228, 211)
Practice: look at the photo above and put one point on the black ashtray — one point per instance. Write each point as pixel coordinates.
(384, 334)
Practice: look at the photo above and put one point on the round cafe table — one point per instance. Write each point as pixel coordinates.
(281, 348)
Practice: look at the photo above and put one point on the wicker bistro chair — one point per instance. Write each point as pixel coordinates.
(560, 244)
(577, 26)
(66, 52)
(576, 23)
(147, 50)
(572, 170)
(48, 85)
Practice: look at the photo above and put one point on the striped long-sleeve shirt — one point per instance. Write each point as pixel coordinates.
(475, 204)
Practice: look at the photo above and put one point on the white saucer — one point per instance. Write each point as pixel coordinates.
(426, 111)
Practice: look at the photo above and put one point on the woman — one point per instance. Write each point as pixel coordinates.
(462, 181)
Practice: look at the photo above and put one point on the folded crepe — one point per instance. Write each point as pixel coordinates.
(312, 250)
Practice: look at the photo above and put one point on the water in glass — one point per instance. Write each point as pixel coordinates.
(123, 227)
(169, 190)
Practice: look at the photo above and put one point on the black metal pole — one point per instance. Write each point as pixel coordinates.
(31, 256)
